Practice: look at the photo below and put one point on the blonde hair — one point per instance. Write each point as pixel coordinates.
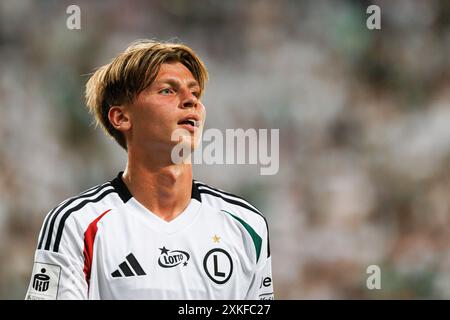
(131, 72)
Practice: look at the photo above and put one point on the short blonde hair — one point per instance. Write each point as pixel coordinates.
(131, 72)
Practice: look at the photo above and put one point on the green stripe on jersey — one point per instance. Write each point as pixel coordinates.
(257, 241)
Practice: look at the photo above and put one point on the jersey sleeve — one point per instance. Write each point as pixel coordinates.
(58, 274)
(261, 287)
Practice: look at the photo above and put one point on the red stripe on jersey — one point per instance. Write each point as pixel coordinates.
(89, 237)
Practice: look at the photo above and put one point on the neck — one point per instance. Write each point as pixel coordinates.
(164, 189)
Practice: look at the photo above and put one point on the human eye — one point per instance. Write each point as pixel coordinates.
(165, 91)
(195, 91)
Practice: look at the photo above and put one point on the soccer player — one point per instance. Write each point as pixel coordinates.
(152, 232)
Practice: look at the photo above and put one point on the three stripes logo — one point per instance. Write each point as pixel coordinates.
(127, 267)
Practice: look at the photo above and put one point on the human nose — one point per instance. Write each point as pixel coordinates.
(189, 100)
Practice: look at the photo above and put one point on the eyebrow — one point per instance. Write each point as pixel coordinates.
(176, 83)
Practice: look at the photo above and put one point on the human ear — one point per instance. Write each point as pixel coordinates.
(119, 118)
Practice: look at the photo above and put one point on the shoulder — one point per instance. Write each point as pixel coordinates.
(239, 210)
(74, 214)
(232, 204)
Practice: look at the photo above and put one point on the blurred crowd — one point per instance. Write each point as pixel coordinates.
(364, 119)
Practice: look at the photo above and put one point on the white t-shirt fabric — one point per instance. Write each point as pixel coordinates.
(103, 244)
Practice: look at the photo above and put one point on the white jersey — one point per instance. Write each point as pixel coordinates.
(103, 244)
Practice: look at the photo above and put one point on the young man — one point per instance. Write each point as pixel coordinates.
(152, 232)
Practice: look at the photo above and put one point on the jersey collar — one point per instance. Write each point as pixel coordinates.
(183, 220)
(126, 195)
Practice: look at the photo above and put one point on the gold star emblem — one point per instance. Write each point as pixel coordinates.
(216, 239)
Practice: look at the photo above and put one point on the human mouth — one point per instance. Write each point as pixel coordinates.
(190, 122)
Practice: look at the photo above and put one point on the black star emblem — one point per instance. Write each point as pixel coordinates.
(164, 250)
(185, 264)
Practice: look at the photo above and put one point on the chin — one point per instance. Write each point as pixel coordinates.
(190, 145)
(192, 139)
(184, 144)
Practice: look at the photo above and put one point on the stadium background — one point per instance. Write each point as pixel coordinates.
(363, 116)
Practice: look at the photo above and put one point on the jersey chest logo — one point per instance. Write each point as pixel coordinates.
(172, 258)
(218, 265)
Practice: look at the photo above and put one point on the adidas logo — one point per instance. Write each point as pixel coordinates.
(128, 268)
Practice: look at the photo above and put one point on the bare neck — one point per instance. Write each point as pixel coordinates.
(163, 189)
